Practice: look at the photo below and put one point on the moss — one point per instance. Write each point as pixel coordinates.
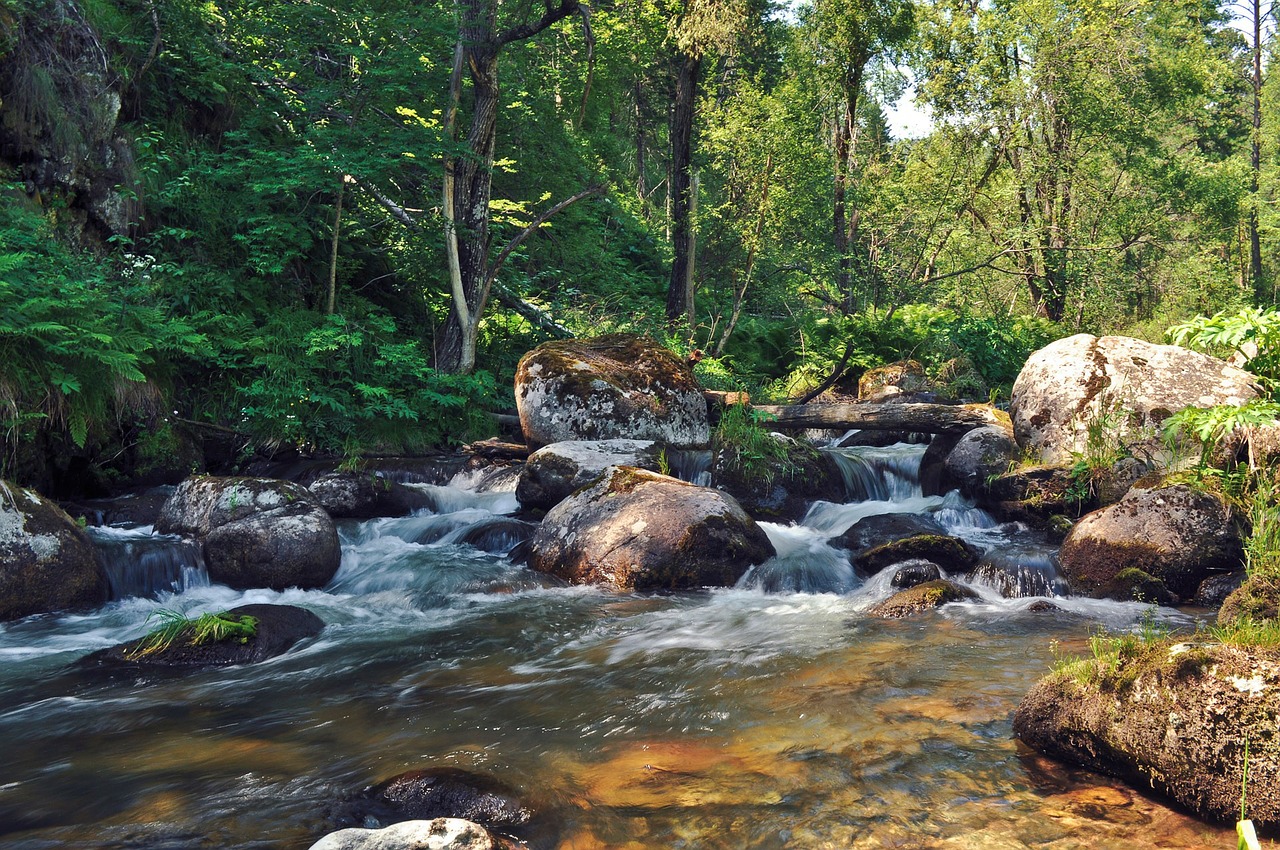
(949, 553)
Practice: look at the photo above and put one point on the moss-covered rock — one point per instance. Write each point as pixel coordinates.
(950, 553)
(1258, 599)
(47, 563)
(1175, 534)
(880, 529)
(634, 529)
(619, 386)
(1173, 718)
(921, 598)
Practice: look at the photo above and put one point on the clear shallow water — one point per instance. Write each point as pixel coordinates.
(731, 718)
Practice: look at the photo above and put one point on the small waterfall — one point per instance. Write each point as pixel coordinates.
(139, 562)
(1020, 570)
(880, 474)
(692, 465)
(804, 563)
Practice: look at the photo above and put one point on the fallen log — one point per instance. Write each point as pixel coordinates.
(921, 418)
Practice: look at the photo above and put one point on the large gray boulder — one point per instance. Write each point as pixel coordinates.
(47, 563)
(437, 834)
(364, 495)
(553, 472)
(255, 532)
(1069, 384)
(978, 457)
(619, 386)
(1173, 718)
(1176, 535)
(638, 530)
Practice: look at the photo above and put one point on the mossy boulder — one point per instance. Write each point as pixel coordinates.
(553, 472)
(1258, 599)
(638, 530)
(47, 562)
(1175, 534)
(921, 598)
(879, 529)
(619, 386)
(1070, 384)
(1170, 717)
(950, 553)
(255, 532)
(779, 489)
(278, 629)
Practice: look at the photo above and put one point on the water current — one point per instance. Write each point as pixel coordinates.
(775, 714)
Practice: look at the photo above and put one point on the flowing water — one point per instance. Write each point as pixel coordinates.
(771, 715)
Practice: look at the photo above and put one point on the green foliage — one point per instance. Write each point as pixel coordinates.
(197, 631)
(746, 447)
(1251, 333)
(1114, 659)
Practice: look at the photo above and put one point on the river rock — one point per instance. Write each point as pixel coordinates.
(950, 553)
(779, 490)
(255, 532)
(1174, 719)
(634, 529)
(279, 628)
(922, 597)
(1216, 589)
(1174, 534)
(912, 573)
(363, 495)
(1257, 599)
(444, 793)
(619, 386)
(553, 472)
(978, 457)
(498, 535)
(879, 529)
(1068, 384)
(438, 834)
(47, 563)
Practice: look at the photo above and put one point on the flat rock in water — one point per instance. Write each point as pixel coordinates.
(279, 628)
(437, 834)
(922, 597)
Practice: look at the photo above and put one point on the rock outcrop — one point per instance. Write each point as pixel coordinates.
(638, 530)
(619, 386)
(1174, 718)
(47, 563)
(255, 532)
(1175, 535)
(553, 472)
(1067, 386)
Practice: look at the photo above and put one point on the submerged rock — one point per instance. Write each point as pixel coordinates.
(619, 386)
(922, 597)
(1174, 719)
(438, 834)
(255, 532)
(1175, 535)
(279, 627)
(553, 472)
(1129, 385)
(47, 563)
(634, 529)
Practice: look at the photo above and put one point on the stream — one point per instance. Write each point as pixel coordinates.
(775, 714)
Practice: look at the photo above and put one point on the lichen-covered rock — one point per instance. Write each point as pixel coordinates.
(634, 529)
(980, 455)
(279, 627)
(951, 553)
(779, 489)
(1067, 385)
(47, 563)
(255, 532)
(553, 472)
(619, 386)
(1175, 534)
(363, 495)
(922, 597)
(1174, 718)
(438, 834)
(883, 382)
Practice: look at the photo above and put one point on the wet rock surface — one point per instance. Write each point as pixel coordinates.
(437, 834)
(950, 553)
(363, 495)
(921, 598)
(47, 563)
(555, 471)
(879, 529)
(779, 490)
(634, 529)
(443, 793)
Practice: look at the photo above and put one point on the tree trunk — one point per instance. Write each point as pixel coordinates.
(1255, 163)
(924, 418)
(680, 289)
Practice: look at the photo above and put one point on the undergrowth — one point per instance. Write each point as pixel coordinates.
(746, 447)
